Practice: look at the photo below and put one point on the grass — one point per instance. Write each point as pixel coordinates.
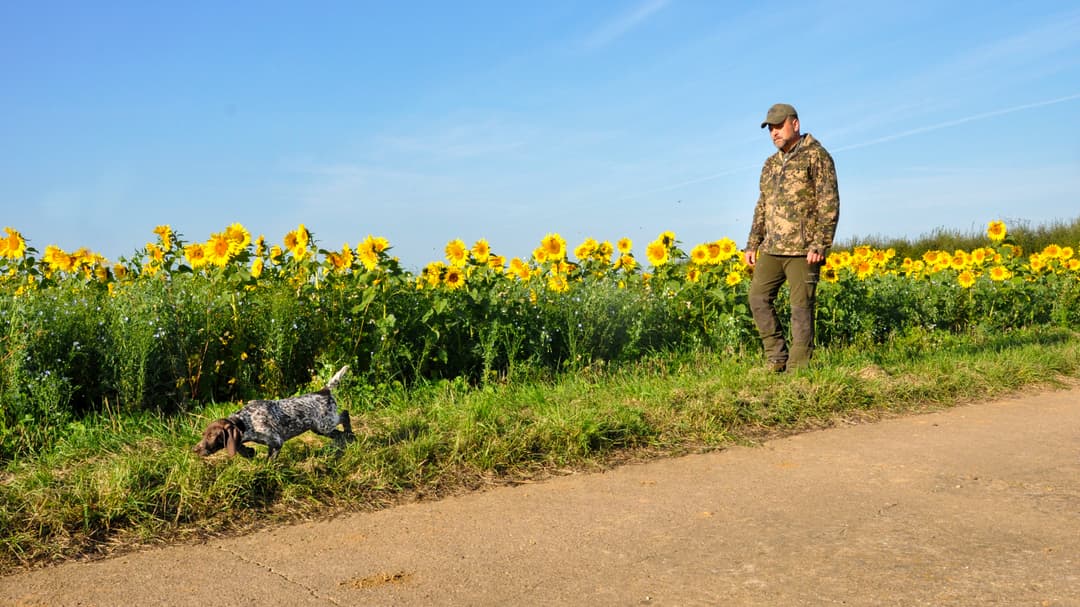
(116, 481)
(1031, 238)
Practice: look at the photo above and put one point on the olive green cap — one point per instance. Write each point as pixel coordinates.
(778, 113)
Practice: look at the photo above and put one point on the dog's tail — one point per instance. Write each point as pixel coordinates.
(330, 385)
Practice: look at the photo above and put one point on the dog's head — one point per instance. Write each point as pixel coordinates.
(222, 434)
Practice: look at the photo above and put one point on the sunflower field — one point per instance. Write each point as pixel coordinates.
(181, 324)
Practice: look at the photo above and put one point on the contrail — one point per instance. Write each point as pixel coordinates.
(959, 121)
(854, 146)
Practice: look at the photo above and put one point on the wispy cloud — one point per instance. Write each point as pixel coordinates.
(624, 23)
(958, 121)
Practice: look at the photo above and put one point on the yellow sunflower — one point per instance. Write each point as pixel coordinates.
(454, 277)
(366, 253)
(218, 249)
(558, 283)
(481, 251)
(728, 249)
(966, 279)
(995, 231)
(1000, 273)
(195, 254)
(700, 254)
(554, 246)
(239, 238)
(13, 246)
(625, 245)
(519, 269)
(657, 252)
(165, 233)
(693, 275)
(733, 278)
(297, 242)
(456, 253)
(586, 249)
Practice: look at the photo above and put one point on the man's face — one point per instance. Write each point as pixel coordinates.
(786, 134)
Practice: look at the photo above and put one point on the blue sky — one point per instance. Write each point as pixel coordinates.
(506, 120)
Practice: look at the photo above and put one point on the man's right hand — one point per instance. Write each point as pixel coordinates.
(751, 258)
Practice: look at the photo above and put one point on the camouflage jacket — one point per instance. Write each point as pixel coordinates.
(799, 204)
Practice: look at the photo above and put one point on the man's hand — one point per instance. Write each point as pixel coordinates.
(751, 258)
(814, 257)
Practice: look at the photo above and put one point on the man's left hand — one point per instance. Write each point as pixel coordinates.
(814, 257)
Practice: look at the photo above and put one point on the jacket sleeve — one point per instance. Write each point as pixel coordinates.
(827, 210)
(757, 226)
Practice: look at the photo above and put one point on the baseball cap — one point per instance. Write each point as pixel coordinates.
(778, 113)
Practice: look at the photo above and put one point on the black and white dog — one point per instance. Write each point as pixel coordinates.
(272, 422)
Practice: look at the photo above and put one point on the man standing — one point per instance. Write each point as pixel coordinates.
(794, 224)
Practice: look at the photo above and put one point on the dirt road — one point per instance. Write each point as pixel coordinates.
(976, 505)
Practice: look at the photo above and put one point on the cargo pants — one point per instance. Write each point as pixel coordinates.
(770, 273)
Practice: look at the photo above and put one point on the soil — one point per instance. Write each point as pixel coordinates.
(978, 504)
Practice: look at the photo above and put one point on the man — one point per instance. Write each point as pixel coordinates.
(794, 224)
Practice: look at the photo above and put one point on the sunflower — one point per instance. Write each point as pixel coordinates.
(257, 267)
(995, 231)
(341, 261)
(119, 271)
(13, 246)
(496, 262)
(728, 248)
(297, 242)
(693, 275)
(1066, 253)
(195, 254)
(667, 237)
(1036, 262)
(481, 251)
(966, 279)
(558, 283)
(864, 269)
(365, 251)
(554, 246)
(733, 278)
(540, 255)
(700, 254)
(275, 254)
(586, 249)
(58, 259)
(239, 238)
(456, 253)
(657, 252)
(1000, 273)
(519, 269)
(1052, 251)
(626, 262)
(454, 277)
(959, 260)
(165, 233)
(625, 245)
(218, 249)
(605, 251)
(433, 273)
(830, 275)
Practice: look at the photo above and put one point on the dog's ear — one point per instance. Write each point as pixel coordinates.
(232, 439)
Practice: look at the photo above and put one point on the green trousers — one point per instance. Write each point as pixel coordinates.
(770, 273)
